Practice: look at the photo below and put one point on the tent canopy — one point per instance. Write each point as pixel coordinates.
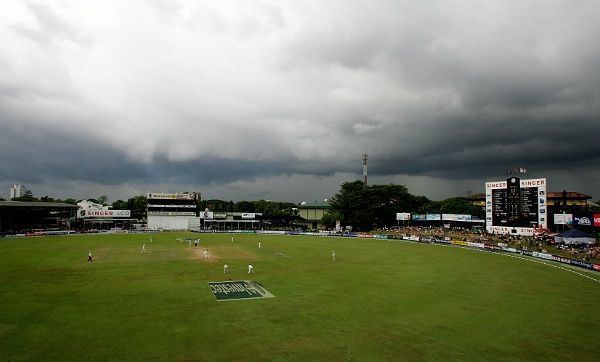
(574, 237)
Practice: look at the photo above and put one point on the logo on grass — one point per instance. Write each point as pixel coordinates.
(238, 289)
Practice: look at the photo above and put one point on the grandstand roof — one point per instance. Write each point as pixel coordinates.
(37, 204)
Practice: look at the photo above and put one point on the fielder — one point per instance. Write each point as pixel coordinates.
(260, 245)
(333, 255)
(250, 269)
(205, 253)
(90, 256)
(225, 269)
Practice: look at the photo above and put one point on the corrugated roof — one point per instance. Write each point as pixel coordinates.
(37, 204)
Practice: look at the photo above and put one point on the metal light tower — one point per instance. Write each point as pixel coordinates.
(365, 157)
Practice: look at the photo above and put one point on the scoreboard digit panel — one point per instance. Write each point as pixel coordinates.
(529, 207)
(499, 208)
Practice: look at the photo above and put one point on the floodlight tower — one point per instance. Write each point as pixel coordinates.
(365, 157)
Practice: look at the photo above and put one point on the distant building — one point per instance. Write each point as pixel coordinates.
(17, 191)
(312, 213)
(230, 220)
(563, 198)
(173, 211)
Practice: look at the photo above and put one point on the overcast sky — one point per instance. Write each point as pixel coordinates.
(245, 100)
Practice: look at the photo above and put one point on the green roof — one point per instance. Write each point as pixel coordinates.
(316, 205)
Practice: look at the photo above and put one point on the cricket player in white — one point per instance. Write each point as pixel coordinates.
(206, 253)
(250, 269)
(225, 269)
(260, 245)
(333, 255)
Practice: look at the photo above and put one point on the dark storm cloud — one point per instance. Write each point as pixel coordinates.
(44, 155)
(265, 95)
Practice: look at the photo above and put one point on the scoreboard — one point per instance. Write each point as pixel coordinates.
(515, 206)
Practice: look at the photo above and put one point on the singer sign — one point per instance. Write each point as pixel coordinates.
(106, 213)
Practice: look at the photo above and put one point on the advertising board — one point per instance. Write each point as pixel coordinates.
(583, 220)
(403, 216)
(563, 219)
(433, 217)
(449, 217)
(171, 196)
(105, 213)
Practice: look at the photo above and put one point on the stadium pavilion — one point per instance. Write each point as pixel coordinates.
(19, 216)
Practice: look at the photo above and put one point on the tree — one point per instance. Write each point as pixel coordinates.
(120, 205)
(70, 200)
(103, 199)
(353, 204)
(330, 218)
(27, 197)
(364, 208)
(138, 206)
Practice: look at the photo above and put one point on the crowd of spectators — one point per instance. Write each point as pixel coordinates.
(541, 243)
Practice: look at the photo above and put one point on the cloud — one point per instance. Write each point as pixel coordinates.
(49, 27)
(222, 96)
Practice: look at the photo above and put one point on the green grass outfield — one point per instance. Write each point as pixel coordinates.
(380, 300)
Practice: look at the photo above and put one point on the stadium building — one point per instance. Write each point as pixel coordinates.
(562, 198)
(230, 220)
(311, 213)
(173, 211)
(97, 216)
(17, 216)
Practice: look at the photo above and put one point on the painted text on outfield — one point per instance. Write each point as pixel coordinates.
(238, 289)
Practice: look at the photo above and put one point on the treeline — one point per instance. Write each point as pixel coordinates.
(365, 208)
(28, 197)
(136, 204)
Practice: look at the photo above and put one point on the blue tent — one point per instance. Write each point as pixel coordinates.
(574, 237)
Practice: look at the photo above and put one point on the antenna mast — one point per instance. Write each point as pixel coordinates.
(365, 158)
